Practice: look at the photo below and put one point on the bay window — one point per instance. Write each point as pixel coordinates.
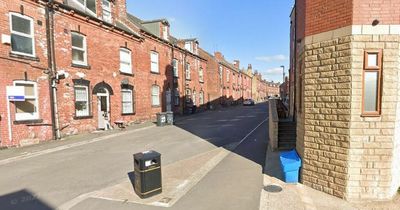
(106, 4)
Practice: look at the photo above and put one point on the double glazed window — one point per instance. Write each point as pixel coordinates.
(89, 4)
(227, 75)
(22, 35)
(201, 75)
(155, 95)
(154, 62)
(187, 71)
(372, 74)
(81, 101)
(79, 50)
(127, 101)
(125, 60)
(176, 97)
(201, 97)
(106, 4)
(28, 109)
(175, 67)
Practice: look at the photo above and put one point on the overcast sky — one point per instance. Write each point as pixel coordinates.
(254, 31)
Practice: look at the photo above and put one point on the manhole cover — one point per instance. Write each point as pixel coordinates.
(273, 188)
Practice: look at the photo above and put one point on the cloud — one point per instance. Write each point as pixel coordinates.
(272, 58)
(273, 71)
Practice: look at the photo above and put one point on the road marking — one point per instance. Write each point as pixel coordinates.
(64, 147)
(251, 132)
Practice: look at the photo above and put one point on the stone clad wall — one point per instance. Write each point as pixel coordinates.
(327, 102)
(373, 166)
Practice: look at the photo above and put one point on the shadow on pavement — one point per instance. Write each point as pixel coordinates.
(22, 199)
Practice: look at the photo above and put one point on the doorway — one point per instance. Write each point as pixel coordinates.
(103, 107)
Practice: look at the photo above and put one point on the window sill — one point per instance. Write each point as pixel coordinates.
(201, 82)
(188, 79)
(126, 74)
(128, 114)
(23, 122)
(82, 117)
(155, 106)
(25, 57)
(370, 115)
(82, 66)
(153, 72)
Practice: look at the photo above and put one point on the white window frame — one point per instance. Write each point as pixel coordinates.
(201, 98)
(175, 66)
(221, 71)
(106, 8)
(28, 116)
(165, 32)
(126, 90)
(189, 46)
(32, 35)
(201, 75)
(87, 100)
(85, 8)
(187, 71)
(155, 95)
(194, 97)
(125, 50)
(176, 97)
(154, 62)
(84, 49)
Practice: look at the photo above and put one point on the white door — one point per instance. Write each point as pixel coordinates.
(103, 104)
(168, 100)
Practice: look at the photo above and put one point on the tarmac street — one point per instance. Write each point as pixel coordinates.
(214, 158)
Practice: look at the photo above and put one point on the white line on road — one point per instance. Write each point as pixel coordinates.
(251, 132)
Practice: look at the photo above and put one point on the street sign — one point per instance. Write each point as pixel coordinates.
(15, 93)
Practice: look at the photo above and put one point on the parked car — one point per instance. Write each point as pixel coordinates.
(248, 102)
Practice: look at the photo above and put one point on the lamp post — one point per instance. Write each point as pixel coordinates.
(283, 71)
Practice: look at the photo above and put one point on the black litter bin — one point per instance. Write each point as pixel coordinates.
(161, 119)
(147, 167)
(170, 118)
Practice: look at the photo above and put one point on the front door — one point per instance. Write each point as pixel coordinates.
(103, 101)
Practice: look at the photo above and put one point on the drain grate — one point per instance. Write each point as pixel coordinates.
(273, 188)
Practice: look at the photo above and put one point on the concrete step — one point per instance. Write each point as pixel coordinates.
(286, 147)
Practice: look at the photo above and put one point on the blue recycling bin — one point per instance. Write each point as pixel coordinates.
(290, 164)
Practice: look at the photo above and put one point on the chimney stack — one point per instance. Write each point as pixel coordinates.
(236, 63)
(218, 55)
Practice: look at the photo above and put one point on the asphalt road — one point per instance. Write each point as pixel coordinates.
(48, 181)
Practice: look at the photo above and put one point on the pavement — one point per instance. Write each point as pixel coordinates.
(279, 195)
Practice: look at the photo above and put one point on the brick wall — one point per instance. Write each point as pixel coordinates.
(366, 11)
(15, 68)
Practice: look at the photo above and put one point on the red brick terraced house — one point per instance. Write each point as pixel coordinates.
(273, 88)
(83, 65)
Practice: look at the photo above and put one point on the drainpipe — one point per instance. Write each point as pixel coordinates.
(52, 69)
